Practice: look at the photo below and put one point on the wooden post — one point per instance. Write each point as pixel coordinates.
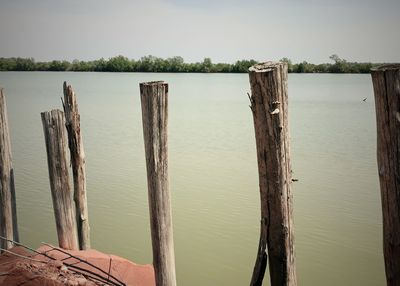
(8, 211)
(54, 133)
(75, 143)
(386, 82)
(269, 104)
(154, 98)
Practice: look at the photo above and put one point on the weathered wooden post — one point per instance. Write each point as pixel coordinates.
(386, 82)
(54, 133)
(8, 211)
(75, 143)
(154, 98)
(269, 104)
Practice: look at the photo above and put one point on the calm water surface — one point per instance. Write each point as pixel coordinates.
(213, 172)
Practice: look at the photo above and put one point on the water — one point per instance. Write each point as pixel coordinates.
(213, 172)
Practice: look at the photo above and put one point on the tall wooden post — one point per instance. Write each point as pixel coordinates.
(8, 211)
(75, 143)
(54, 133)
(386, 82)
(269, 104)
(154, 98)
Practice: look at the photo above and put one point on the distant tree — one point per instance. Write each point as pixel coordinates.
(42, 66)
(8, 64)
(206, 65)
(175, 64)
(118, 64)
(243, 66)
(335, 58)
(223, 68)
(58, 66)
(289, 63)
(321, 68)
(147, 64)
(340, 65)
(100, 65)
(300, 68)
(24, 64)
(82, 66)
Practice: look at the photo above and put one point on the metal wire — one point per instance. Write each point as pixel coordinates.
(23, 256)
(79, 270)
(83, 261)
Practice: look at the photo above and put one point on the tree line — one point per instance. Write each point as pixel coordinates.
(174, 65)
(339, 65)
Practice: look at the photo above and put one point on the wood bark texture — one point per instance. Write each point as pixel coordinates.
(386, 82)
(75, 144)
(269, 105)
(8, 212)
(55, 137)
(154, 100)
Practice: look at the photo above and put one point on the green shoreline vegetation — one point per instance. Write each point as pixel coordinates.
(175, 65)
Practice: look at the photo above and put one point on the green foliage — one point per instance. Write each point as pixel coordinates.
(118, 64)
(176, 64)
(58, 66)
(339, 66)
(289, 63)
(243, 66)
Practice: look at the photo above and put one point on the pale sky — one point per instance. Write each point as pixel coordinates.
(225, 31)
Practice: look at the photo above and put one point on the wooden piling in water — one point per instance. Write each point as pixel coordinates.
(154, 99)
(75, 144)
(54, 133)
(8, 211)
(269, 105)
(386, 82)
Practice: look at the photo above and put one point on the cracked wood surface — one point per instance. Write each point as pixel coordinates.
(8, 211)
(75, 144)
(55, 137)
(386, 82)
(154, 101)
(269, 105)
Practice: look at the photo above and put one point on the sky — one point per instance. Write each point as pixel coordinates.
(225, 31)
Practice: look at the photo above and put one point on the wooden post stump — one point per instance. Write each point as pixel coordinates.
(75, 145)
(386, 82)
(269, 104)
(8, 211)
(54, 133)
(154, 99)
